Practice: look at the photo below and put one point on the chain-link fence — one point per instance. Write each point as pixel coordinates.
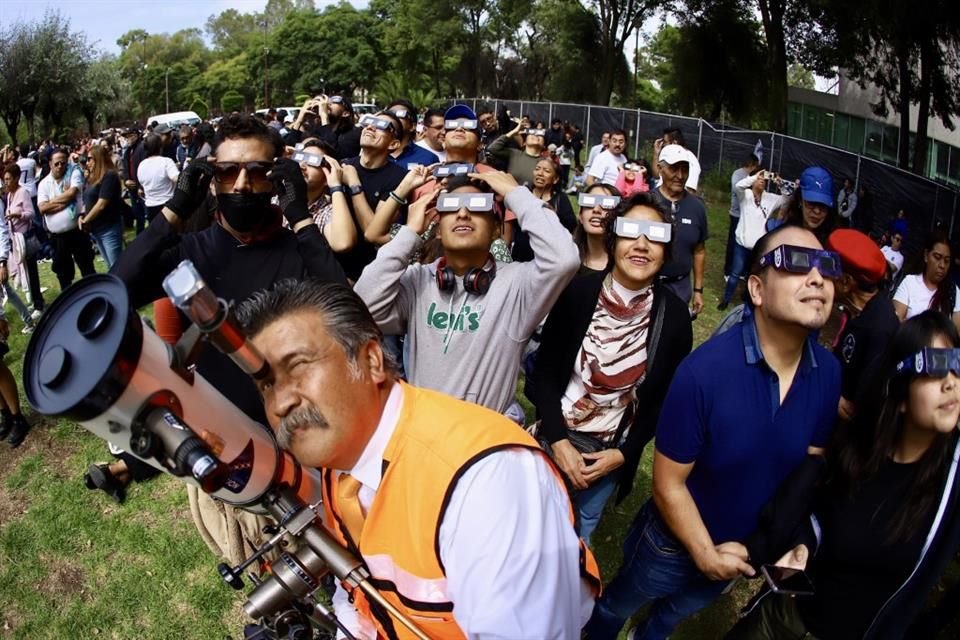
(722, 148)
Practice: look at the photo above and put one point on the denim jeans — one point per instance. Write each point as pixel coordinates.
(738, 268)
(656, 568)
(110, 242)
(590, 503)
(139, 211)
(17, 303)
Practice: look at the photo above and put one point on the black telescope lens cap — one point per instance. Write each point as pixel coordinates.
(84, 350)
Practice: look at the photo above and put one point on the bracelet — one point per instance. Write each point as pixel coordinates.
(354, 189)
(696, 290)
(398, 199)
(338, 189)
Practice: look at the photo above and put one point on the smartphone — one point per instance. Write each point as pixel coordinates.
(787, 581)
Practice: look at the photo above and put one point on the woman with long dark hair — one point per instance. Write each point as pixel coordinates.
(103, 205)
(609, 350)
(810, 206)
(931, 288)
(547, 186)
(886, 521)
(589, 234)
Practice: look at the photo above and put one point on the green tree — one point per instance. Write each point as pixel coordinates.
(799, 76)
(232, 32)
(231, 101)
(104, 93)
(619, 19)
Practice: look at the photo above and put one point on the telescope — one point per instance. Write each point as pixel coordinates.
(94, 360)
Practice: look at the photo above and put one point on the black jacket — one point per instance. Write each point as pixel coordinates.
(563, 335)
(778, 532)
(234, 272)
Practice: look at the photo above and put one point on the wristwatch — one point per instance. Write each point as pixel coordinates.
(354, 189)
(698, 290)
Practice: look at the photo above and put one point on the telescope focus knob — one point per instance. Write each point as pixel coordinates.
(230, 575)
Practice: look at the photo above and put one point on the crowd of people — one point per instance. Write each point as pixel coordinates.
(401, 271)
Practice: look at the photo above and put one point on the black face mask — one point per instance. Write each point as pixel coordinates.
(244, 212)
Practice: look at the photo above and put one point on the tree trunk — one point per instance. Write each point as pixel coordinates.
(12, 122)
(927, 55)
(771, 12)
(610, 59)
(905, 93)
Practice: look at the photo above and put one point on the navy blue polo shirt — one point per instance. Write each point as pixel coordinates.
(723, 413)
(415, 154)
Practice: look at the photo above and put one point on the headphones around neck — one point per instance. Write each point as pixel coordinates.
(475, 281)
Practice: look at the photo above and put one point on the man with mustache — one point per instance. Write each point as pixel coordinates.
(743, 410)
(487, 547)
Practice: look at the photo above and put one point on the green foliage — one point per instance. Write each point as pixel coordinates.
(799, 76)
(231, 101)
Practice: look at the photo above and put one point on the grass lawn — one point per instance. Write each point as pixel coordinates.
(73, 564)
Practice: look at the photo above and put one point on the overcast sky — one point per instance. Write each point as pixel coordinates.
(103, 21)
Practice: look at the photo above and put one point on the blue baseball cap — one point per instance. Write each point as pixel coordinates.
(459, 111)
(816, 185)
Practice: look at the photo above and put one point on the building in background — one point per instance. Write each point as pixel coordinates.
(846, 120)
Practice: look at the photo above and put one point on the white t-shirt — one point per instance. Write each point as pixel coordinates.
(894, 257)
(595, 150)
(440, 154)
(157, 176)
(28, 175)
(65, 219)
(606, 167)
(913, 293)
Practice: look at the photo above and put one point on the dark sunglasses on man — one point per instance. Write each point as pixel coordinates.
(228, 172)
(931, 362)
(380, 124)
(794, 259)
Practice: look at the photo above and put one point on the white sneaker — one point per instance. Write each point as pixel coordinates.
(36, 315)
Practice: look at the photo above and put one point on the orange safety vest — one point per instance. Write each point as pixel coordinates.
(436, 440)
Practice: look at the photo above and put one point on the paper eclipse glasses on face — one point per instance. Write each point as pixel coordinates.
(793, 259)
(461, 123)
(931, 362)
(402, 113)
(474, 202)
(631, 166)
(336, 99)
(633, 228)
(453, 169)
(535, 132)
(597, 200)
(310, 159)
(381, 124)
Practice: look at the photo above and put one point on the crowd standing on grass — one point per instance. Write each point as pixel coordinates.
(403, 269)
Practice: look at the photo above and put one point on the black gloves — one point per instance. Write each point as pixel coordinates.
(192, 187)
(291, 189)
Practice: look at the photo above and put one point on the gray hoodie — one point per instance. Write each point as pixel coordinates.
(465, 345)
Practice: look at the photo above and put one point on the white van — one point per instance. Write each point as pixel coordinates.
(175, 119)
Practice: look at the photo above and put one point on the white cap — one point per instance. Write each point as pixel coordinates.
(674, 153)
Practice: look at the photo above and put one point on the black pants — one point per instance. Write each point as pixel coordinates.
(33, 280)
(731, 240)
(69, 247)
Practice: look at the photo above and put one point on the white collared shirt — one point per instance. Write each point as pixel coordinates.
(499, 545)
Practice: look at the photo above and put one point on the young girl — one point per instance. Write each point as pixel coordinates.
(885, 524)
(632, 179)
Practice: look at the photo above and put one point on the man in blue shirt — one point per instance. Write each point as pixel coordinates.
(742, 411)
(409, 153)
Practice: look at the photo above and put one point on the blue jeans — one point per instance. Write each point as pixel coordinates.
(590, 503)
(656, 568)
(738, 268)
(110, 242)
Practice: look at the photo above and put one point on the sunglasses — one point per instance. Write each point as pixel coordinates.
(630, 166)
(460, 123)
(380, 124)
(229, 171)
(453, 169)
(593, 200)
(534, 132)
(310, 159)
(653, 231)
(931, 362)
(802, 259)
(475, 202)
